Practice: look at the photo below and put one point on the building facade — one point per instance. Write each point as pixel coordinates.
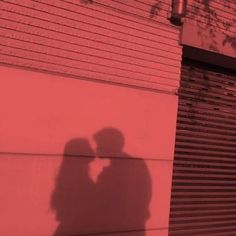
(99, 101)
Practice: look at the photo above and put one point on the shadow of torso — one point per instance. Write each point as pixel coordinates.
(124, 190)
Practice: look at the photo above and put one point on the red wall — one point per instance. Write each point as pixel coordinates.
(41, 113)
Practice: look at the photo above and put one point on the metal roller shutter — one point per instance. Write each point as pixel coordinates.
(203, 200)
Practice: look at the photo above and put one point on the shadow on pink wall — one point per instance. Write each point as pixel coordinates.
(114, 199)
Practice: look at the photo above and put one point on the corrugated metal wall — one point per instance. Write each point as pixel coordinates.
(203, 192)
(115, 41)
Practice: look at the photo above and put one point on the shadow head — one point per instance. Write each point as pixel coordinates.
(109, 141)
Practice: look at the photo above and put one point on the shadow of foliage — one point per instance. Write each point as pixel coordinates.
(210, 21)
(155, 9)
(86, 1)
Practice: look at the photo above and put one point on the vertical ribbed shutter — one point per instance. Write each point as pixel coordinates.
(203, 200)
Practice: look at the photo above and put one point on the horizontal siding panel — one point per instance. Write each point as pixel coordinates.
(133, 9)
(40, 66)
(81, 13)
(142, 6)
(138, 22)
(79, 57)
(76, 72)
(140, 55)
(72, 44)
(99, 45)
(96, 33)
(83, 66)
(135, 56)
(137, 9)
(32, 41)
(97, 26)
(71, 39)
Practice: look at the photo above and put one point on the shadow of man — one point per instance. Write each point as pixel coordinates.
(123, 187)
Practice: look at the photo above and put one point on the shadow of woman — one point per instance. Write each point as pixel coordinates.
(72, 198)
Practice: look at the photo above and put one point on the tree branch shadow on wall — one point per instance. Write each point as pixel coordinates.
(199, 83)
(117, 200)
(86, 1)
(155, 9)
(209, 22)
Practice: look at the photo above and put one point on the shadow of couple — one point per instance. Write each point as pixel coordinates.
(112, 197)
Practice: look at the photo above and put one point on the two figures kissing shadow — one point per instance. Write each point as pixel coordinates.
(117, 201)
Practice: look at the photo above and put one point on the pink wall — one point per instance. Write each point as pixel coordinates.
(41, 113)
